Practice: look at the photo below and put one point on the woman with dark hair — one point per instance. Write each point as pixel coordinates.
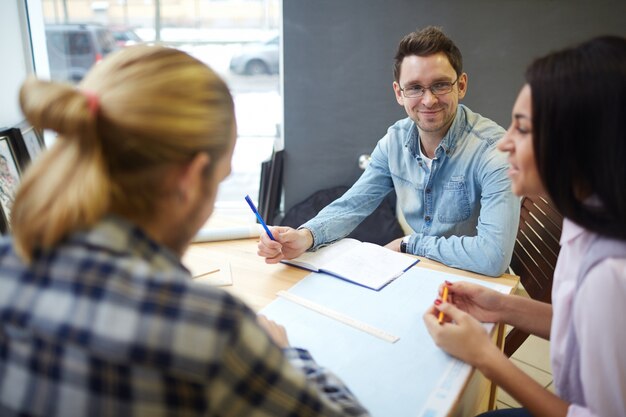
(566, 142)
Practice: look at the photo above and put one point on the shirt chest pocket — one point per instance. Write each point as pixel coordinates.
(454, 204)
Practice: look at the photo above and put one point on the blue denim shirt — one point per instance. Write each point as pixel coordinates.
(461, 209)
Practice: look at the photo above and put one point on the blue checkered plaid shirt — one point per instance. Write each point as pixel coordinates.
(109, 324)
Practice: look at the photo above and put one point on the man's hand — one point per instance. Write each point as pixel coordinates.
(290, 243)
(276, 332)
(394, 245)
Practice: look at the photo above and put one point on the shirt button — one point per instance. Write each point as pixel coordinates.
(428, 191)
(427, 218)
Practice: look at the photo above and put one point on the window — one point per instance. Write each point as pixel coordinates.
(78, 43)
(240, 43)
(106, 40)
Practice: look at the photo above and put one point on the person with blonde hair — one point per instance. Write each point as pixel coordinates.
(98, 315)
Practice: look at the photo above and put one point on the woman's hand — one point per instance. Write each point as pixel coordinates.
(460, 335)
(482, 303)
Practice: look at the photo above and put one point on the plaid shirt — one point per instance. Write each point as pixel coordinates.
(109, 324)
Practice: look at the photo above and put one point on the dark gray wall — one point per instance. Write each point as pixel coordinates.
(338, 99)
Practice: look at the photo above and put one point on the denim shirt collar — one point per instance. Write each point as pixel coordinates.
(448, 143)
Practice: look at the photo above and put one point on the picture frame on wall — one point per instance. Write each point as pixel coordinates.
(18, 147)
(10, 172)
(32, 143)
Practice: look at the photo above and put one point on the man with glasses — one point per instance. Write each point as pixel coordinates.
(450, 180)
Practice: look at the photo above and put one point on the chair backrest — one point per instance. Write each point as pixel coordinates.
(534, 256)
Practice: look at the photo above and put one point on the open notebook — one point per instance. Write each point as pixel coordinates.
(362, 263)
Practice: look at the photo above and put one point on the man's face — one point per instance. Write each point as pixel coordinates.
(433, 114)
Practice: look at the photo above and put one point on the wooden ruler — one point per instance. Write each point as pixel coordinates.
(335, 315)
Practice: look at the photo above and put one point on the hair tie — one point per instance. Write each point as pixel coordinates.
(93, 102)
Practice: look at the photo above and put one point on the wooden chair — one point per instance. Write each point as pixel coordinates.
(534, 256)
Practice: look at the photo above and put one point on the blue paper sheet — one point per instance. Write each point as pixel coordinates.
(411, 377)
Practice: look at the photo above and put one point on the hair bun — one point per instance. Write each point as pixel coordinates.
(59, 107)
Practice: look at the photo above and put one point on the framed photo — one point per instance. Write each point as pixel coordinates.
(9, 176)
(14, 138)
(32, 144)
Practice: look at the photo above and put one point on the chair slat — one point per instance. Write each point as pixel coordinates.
(547, 208)
(534, 256)
(536, 250)
(549, 244)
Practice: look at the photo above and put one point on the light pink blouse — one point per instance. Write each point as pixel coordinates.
(599, 316)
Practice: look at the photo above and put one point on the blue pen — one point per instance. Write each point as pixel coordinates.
(258, 216)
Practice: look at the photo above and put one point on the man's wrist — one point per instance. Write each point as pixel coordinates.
(404, 244)
(309, 237)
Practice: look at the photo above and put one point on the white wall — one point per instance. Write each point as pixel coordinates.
(15, 51)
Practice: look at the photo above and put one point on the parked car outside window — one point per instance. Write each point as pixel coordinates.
(74, 48)
(125, 36)
(257, 58)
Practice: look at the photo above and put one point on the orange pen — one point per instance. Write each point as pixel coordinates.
(444, 298)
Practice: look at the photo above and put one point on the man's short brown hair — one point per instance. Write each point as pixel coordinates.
(428, 41)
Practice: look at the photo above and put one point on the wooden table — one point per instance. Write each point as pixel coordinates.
(257, 283)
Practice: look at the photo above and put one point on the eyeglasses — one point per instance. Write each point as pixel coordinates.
(438, 89)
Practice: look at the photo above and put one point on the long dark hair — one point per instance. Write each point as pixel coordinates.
(579, 131)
